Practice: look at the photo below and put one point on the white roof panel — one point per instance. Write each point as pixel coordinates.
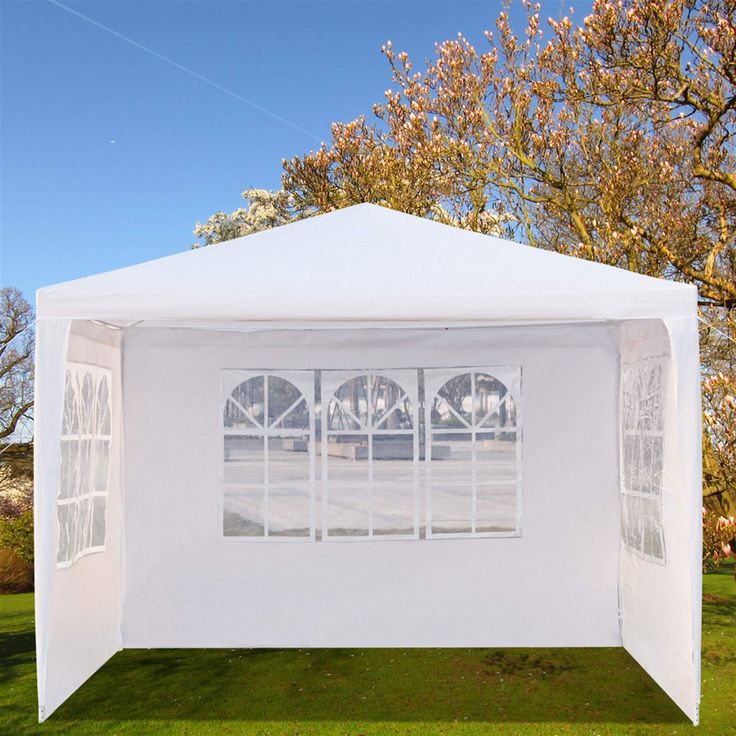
(366, 264)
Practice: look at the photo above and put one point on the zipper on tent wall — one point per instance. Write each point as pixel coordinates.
(619, 477)
(122, 551)
(319, 509)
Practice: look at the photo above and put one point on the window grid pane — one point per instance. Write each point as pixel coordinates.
(642, 457)
(472, 454)
(370, 455)
(84, 473)
(268, 458)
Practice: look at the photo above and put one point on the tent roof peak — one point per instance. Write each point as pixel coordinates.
(364, 262)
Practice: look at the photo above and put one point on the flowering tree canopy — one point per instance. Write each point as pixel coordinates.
(610, 140)
(718, 532)
(719, 441)
(265, 210)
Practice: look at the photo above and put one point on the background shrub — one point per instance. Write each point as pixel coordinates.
(16, 535)
(16, 575)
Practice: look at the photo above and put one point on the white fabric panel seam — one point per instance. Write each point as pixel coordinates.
(688, 387)
(123, 560)
(51, 346)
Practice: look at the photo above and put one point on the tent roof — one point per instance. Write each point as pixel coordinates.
(365, 264)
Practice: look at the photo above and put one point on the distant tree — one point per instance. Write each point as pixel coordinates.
(16, 405)
(266, 209)
(16, 361)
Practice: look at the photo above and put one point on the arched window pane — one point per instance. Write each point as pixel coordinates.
(268, 460)
(247, 404)
(473, 437)
(370, 456)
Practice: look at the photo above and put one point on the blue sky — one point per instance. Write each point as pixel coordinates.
(73, 202)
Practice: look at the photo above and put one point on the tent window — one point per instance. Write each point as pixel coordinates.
(642, 457)
(473, 451)
(85, 462)
(370, 456)
(268, 464)
(372, 440)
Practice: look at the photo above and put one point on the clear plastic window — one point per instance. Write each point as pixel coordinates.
(642, 457)
(268, 460)
(473, 453)
(375, 452)
(84, 474)
(370, 455)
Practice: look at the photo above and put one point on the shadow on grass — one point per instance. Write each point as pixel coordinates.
(719, 618)
(378, 685)
(404, 685)
(17, 652)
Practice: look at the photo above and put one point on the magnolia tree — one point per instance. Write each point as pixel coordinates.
(718, 537)
(610, 140)
(719, 442)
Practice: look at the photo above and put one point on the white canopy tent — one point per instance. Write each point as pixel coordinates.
(361, 429)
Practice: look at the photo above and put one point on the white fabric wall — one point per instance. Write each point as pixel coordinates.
(77, 607)
(556, 585)
(661, 609)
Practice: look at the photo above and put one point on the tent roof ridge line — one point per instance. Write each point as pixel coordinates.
(328, 218)
(361, 264)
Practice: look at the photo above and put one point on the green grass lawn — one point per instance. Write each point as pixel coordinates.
(364, 691)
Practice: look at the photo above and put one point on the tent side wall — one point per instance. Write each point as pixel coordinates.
(187, 586)
(78, 626)
(661, 588)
